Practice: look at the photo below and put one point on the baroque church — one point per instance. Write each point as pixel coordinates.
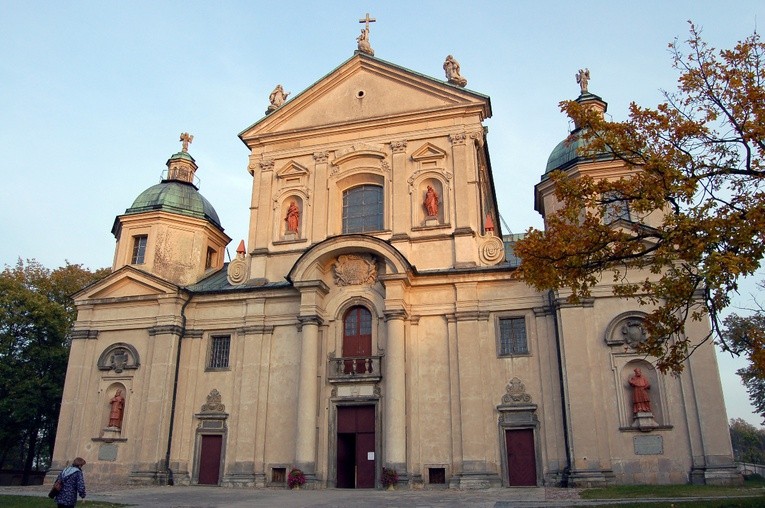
(372, 319)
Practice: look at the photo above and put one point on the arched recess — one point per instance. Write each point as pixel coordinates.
(114, 411)
(655, 394)
(420, 216)
(314, 263)
(281, 208)
(354, 166)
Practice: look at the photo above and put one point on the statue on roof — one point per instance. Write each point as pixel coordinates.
(363, 39)
(452, 69)
(186, 138)
(277, 98)
(583, 78)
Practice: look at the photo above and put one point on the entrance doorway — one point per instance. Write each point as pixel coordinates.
(521, 458)
(356, 447)
(209, 460)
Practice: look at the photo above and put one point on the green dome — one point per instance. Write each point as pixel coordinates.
(175, 197)
(565, 155)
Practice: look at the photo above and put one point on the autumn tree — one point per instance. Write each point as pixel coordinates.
(36, 317)
(698, 158)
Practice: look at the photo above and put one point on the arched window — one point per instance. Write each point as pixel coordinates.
(363, 209)
(357, 339)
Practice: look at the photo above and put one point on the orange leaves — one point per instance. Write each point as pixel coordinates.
(692, 180)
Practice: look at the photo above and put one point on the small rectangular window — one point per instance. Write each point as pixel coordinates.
(139, 249)
(210, 258)
(616, 208)
(512, 337)
(279, 475)
(437, 475)
(219, 352)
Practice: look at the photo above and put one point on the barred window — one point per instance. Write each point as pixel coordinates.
(219, 351)
(363, 209)
(139, 249)
(512, 337)
(616, 208)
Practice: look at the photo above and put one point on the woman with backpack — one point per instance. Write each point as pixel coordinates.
(72, 483)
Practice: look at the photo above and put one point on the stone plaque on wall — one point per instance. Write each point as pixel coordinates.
(108, 452)
(648, 445)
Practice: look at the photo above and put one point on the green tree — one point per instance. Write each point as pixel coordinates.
(36, 317)
(698, 158)
(748, 442)
(745, 335)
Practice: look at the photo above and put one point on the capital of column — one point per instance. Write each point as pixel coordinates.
(395, 314)
(458, 138)
(84, 334)
(309, 320)
(398, 146)
(267, 165)
(165, 329)
(321, 157)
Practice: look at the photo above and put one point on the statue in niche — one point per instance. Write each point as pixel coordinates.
(293, 218)
(452, 68)
(277, 98)
(641, 402)
(431, 202)
(117, 411)
(583, 78)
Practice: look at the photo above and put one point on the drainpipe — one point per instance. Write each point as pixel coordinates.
(170, 479)
(561, 379)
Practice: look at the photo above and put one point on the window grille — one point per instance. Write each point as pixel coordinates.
(512, 336)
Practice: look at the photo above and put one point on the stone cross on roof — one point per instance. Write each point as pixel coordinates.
(186, 138)
(367, 20)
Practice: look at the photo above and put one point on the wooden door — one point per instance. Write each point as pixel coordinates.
(357, 338)
(209, 460)
(521, 458)
(356, 447)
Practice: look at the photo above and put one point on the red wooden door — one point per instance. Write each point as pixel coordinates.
(209, 460)
(357, 338)
(521, 458)
(356, 447)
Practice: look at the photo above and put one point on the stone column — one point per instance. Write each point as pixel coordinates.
(401, 199)
(312, 293)
(466, 210)
(149, 456)
(394, 426)
(320, 208)
(305, 447)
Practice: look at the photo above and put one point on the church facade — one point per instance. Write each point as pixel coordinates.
(372, 319)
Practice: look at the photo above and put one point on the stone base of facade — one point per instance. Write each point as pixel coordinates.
(727, 476)
(239, 480)
(591, 478)
(475, 481)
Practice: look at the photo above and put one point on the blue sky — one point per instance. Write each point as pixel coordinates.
(93, 95)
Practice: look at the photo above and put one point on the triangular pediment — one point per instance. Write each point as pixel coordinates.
(428, 151)
(291, 169)
(126, 282)
(362, 89)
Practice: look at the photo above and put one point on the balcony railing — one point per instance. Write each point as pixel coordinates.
(355, 368)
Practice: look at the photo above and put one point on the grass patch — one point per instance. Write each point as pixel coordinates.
(44, 502)
(755, 502)
(754, 487)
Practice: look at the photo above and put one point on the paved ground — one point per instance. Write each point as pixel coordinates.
(210, 497)
(214, 497)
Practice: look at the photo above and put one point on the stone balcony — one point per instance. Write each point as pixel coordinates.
(355, 369)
